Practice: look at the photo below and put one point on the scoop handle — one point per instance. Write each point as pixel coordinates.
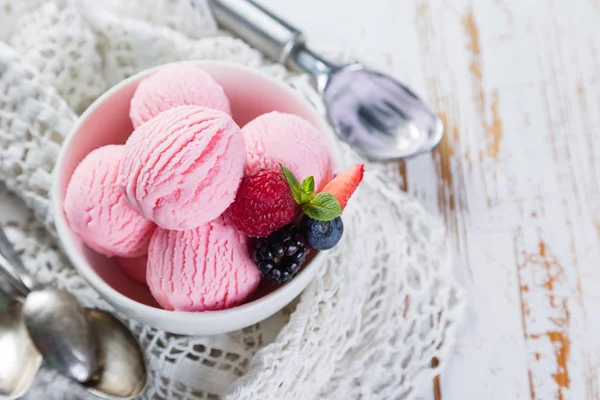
(259, 27)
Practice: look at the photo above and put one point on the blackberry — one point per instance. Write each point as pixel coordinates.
(280, 255)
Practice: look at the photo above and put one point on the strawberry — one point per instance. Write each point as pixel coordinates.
(344, 185)
(263, 203)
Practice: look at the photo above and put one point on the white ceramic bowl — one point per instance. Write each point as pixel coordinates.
(106, 121)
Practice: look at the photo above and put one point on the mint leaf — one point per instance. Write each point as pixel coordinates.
(323, 207)
(308, 185)
(308, 190)
(292, 183)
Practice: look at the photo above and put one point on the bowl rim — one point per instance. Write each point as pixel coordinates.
(112, 295)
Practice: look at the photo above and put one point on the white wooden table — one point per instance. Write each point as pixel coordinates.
(517, 83)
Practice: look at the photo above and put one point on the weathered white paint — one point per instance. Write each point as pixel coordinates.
(517, 179)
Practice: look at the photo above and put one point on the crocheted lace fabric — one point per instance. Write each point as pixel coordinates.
(369, 326)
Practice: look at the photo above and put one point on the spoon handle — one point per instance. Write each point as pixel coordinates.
(258, 26)
(8, 271)
(273, 36)
(12, 266)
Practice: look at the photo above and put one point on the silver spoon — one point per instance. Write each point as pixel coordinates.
(19, 359)
(374, 113)
(56, 322)
(59, 328)
(121, 371)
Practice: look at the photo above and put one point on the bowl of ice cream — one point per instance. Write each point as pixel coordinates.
(174, 194)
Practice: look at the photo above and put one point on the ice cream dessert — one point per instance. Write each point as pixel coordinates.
(134, 267)
(233, 206)
(176, 85)
(182, 168)
(202, 269)
(276, 137)
(97, 211)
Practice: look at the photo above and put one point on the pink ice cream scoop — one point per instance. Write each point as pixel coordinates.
(182, 169)
(276, 137)
(97, 211)
(135, 268)
(203, 269)
(176, 85)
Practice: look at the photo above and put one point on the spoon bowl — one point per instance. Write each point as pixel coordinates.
(379, 116)
(19, 359)
(61, 331)
(371, 111)
(122, 373)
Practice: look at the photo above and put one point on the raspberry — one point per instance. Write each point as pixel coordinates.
(263, 204)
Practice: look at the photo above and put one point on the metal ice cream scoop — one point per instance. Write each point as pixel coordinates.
(374, 113)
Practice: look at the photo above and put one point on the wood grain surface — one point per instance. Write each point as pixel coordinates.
(517, 83)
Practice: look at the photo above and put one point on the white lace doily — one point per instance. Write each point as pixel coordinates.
(367, 327)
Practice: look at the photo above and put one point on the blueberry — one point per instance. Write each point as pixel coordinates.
(322, 235)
